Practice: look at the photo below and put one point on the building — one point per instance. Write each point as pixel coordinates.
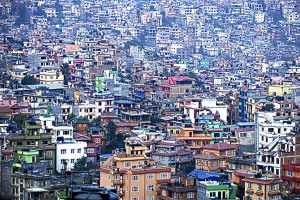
(291, 177)
(262, 187)
(275, 141)
(133, 174)
(136, 116)
(214, 157)
(182, 188)
(216, 190)
(173, 153)
(35, 139)
(23, 183)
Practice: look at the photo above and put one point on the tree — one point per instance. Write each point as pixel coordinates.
(20, 120)
(71, 117)
(96, 121)
(112, 140)
(111, 130)
(29, 80)
(80, 164)
(65, 72)
(268, 107)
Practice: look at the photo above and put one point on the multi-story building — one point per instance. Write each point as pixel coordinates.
(177, 86)
(262, 187)
(133, 174)
(214, 157)
(275, 141)
(291, 177)
(70, 152)
(136, 116)
(216, 190)
(104, 103)
(35, 139)
(23, 183)
(182, 188)
(172, 153)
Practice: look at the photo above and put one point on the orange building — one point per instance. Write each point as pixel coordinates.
(193, 136)
(133, 174)
(214, 157)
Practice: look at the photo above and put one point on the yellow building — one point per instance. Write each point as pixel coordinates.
(279, 90)
(51, 76)
(133, 174)
(262, 187)
(18, 74)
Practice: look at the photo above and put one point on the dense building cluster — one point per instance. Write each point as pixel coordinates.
(149, 99)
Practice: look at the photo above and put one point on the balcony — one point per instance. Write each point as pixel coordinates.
(121, 193)
(118, 182)
(250, 191)
(274, 193)
(291, 178)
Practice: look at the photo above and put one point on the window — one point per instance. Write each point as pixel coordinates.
(19, 143)
(135, 178)
(90, 150)
(212, 194)
(135, 189)
(78, 150)
(163, 175)
(249, 185)
(163, 193)
(72, 151)
(214, 163)
(149, 197)
(150, 187)
(108, 177)
(97, 140)
(272, 187)
(150, 176)
(259, 187)
(190, 195)
(48, 153)
(127, 164)
(63, 151)
(134, 198)
(72, 160)
(289, 173)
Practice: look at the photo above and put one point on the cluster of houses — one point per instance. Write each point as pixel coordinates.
(201, 98)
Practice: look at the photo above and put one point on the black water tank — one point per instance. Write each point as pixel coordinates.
(94, 193)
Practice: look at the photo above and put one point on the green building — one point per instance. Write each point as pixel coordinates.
(216, 190)
(33, 146)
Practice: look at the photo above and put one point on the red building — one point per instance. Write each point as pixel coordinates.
(82, 125)
(291, 176)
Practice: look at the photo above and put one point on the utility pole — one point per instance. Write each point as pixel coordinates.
(65, 174)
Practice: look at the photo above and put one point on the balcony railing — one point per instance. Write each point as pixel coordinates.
(118, 182)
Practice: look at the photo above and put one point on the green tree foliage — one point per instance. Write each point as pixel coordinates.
(81, 164)
(268, 107)
(65, 72)
(96, 121)
(29, 80)
(112, 140)
(111, 130)
(20, 120)
(71, 117)
(23, 14)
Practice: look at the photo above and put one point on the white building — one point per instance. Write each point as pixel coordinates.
(71, 152)
(275, 140)
(259, 17)
(104, 103)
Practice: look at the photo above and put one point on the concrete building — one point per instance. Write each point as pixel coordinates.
(216, 190)
(275, 141)
(133, 174)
